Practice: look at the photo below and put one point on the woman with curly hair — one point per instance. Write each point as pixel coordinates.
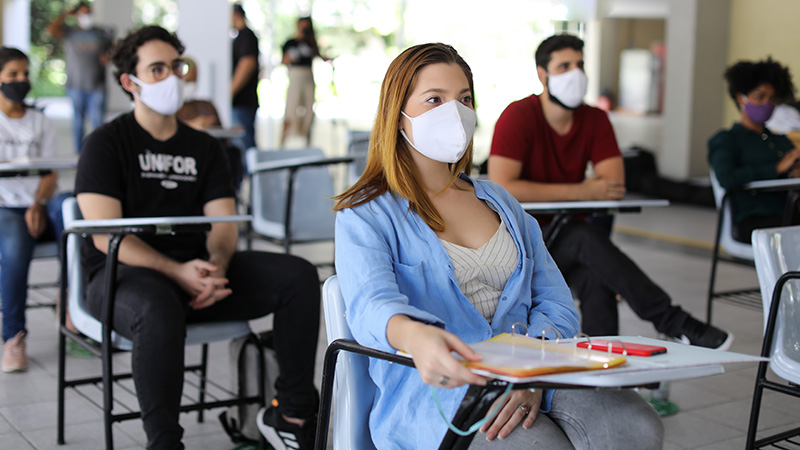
(749, 151)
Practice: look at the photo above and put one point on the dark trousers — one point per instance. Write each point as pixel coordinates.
(596, 271)
(151, 310)
(743, 231)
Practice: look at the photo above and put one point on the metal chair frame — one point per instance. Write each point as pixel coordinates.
(220, 396)
(788, 388)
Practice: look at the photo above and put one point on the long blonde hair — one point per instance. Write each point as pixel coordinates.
(390, 166)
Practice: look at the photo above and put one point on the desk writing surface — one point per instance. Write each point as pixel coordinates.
(225, 133)
(23, 164)
(599, 204)
(778, 183)
(680, 362)
(142, 221)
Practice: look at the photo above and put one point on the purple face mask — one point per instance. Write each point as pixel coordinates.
(759, 113)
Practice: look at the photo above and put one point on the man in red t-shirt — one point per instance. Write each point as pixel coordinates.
(540, 151)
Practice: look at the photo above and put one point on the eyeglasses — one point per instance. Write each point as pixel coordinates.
(160, 71)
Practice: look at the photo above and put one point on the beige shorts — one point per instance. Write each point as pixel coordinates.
(300, 100)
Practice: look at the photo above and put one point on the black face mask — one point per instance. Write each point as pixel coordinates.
(16, 90)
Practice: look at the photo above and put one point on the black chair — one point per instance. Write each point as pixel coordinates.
(736, 252)
(199, 394)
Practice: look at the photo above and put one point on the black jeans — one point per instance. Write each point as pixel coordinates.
(151, 310)
(596, 270)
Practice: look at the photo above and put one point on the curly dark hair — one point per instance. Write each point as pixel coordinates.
(124, 54)
(555, 43)
(8, 54)
(744, 76)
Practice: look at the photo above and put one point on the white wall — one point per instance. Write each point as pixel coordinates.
(16, 24)
(119, 15)
(696, 38)
(203, 26)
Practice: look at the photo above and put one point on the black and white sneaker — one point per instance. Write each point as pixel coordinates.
(283, 435)
(694, 332)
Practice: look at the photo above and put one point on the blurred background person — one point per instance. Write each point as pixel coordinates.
(29, 210)
(298, 54)
(202, 115)
(86, 49)
(245, 78)
(190, 80)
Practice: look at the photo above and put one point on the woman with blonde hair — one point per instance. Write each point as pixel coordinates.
(430, 260)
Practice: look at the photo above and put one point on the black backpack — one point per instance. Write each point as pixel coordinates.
(239, 421)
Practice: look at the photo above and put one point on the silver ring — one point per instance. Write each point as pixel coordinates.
(524, 409)
(444, 381)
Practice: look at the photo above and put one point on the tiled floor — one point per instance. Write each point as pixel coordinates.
(713, 413)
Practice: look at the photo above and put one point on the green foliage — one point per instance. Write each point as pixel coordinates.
(48, 72)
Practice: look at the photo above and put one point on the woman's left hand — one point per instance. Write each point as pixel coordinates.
(36, 219)
(520, 406)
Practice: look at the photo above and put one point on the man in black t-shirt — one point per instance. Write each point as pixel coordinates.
(146, 163)
(245, 78)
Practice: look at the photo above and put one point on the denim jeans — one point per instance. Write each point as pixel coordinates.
(151, 310)
(596, 270)
(245, 116)
(584, 419)
(16, 252)
(84, 102)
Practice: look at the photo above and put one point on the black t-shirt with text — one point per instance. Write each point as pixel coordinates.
(246, 44)
(153, 178)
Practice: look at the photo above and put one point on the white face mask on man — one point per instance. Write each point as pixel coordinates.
(568, 88)
(444, 132)
(164, 97)
(85, 21)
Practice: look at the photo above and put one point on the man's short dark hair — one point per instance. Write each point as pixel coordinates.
(124, 54)
(555, 43)
(80, 5)
(744, 76)
(238, 9)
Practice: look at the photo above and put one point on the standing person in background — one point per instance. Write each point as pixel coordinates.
(29, 211)
(245, 78)
(86, 49)
(298, 54)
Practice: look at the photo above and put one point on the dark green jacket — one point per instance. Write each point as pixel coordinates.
(739, 156)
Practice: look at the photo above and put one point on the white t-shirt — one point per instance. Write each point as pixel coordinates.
(30, 136)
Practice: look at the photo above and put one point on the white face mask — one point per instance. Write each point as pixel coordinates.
(443, 133)
(568, 88)
(164, 97)
(85, 21)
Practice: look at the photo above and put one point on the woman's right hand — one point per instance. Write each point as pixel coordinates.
(430, 349)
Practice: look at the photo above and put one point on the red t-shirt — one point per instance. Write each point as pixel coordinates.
(523, 134)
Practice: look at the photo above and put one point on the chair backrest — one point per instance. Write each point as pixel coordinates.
(312, 216)
(731, 245)
(777, 251)
(353, 389)
(358, 146)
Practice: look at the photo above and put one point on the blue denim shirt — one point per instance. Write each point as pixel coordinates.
(390, 262)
